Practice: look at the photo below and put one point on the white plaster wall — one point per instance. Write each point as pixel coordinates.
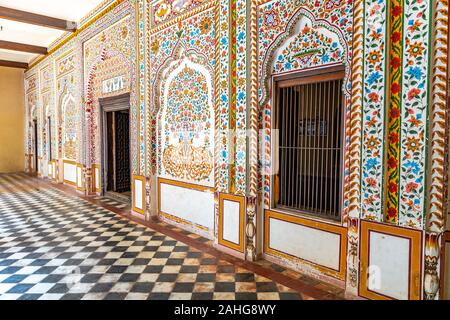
(389, 258)
(79, 178)
(138, 190)
(231, 215)
(54, 170)
(97, 178)
(188, 204)
(316, 246)
(70, 172)
(43, 165)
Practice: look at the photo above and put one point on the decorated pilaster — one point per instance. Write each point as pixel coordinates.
(353, 143)
(437, 189)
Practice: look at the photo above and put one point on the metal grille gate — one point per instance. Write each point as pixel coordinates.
(309, 117)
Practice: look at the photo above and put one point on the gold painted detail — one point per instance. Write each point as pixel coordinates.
(70, 149)
(188, 162)
(183, 221)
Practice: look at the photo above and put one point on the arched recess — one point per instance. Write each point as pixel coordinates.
(186, 119)
(109, 64)
(307, 43)
(46, 140)
(303, 42)
(46, 143)
(32, 118)
(33, 113)
(183, 135)
(33, 138)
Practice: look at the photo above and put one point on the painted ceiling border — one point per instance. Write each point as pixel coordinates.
(76, 33)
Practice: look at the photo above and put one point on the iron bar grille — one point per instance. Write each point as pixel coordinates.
(309, 117)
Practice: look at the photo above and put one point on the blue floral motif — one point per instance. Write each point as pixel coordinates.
(415, 72)
(373, 77)
(412, 165)
(325, 58)
(371, 163)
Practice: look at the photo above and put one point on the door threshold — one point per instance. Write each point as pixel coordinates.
(121, 197)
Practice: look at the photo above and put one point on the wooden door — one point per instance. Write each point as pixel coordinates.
(122, 151)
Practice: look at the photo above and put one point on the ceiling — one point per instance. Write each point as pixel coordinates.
(70, 10)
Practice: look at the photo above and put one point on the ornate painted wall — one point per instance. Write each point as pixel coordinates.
(186, 125)
(183, 99)
(183, 95)
(106, 56)
(69, 112)
(294, 36)
(199, 74)
(68, 83)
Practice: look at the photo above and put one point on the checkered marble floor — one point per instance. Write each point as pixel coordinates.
(54, 246)
(114, 203)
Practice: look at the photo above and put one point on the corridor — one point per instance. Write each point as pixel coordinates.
(55, 245)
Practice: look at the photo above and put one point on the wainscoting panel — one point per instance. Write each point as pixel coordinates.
(70, 172)
(231, 221)
(188, 205)
(321, 245)
(391, 262)
(138, 186)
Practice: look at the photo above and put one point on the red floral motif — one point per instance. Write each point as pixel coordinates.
(396, 11)
(395, 37)
(393, 137)
(392, 212)
(395, 88)
(392, 162)
(393, 187)
(395, 63)
(412, 186)
(414, 92)
(395, 113)
(373, 96)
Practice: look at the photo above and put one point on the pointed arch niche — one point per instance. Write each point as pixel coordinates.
(185, 141)
(69, 118)
(47, 115)
(108, 65)
(306, 43)
(69, 138)
(33, 136)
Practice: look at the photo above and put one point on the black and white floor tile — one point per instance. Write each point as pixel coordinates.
(58, 246)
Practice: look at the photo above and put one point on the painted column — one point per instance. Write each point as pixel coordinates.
(393, 110)
(435, 224)
(353, 164)
(252, 132)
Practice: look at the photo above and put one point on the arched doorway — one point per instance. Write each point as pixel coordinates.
(116, 160)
